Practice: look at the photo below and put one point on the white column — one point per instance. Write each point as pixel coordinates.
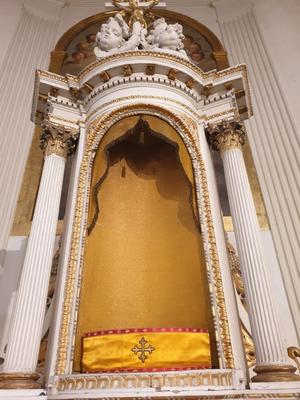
(273, 137)
(271, 355)
(30, 48)
(26, 329)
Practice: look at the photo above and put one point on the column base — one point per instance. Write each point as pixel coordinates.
(275, 373)
(19, 380)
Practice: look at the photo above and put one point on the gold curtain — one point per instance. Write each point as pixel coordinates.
(143, 262)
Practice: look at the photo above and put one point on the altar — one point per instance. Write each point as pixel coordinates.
(146, 304)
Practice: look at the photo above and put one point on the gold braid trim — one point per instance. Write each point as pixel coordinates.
(96, 131)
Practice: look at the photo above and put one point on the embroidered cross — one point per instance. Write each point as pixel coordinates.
(143, 349)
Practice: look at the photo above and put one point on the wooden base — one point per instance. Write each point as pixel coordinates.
(19, 381)
(275, 373)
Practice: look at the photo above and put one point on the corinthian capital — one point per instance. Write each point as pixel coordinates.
(226, 135)
(58, 139)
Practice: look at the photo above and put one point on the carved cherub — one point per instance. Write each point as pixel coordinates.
(115, 37)
(166, 37)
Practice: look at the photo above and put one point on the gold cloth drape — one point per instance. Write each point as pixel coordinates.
(140, 350)
(143, 261)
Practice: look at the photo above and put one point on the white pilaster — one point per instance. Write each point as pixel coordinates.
(30, 49)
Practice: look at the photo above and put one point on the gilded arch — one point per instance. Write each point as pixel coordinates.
(186, 129)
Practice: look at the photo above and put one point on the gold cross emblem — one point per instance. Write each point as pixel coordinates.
(143, 349)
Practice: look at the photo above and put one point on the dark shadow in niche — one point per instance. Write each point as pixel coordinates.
(217, 162)
(150, 155)
(221, 184)
(65, 188)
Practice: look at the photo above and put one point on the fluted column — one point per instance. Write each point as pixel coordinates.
(26, 329)
(29, 49)
(271, 355)
(273, 138)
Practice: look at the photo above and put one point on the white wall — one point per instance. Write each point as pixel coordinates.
(9, 281)
(251, 31)
(279, 22)
(10, 12)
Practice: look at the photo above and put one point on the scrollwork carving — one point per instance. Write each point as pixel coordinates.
(58, 139)
(226, 135)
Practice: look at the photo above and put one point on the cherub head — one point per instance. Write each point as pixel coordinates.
(166, 36)
(112, 34)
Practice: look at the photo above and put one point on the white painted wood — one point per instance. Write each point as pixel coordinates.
(269, 347)
(229, 290)
(64, 258)
(274, 141)
(30, 49)
(26, 328)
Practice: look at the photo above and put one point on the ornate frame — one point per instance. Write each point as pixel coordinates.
(187, 129)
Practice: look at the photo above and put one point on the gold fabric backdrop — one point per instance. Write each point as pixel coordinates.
(143, 262)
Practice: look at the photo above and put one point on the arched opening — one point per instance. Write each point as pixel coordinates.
(143, 262)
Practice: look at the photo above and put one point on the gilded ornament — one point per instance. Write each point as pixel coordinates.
(96, 131)
(54, 92)
(226, 135)
(135, 10)
(127, 70)
(172, 74)
(137, 380)
(236, 272)
(248, 347)
(88, 87)
(58, 139)
(190, 83)
(294, 354)
(105, 76)
(142, 349)
(150, 70)
(75, 93)
(206, 89)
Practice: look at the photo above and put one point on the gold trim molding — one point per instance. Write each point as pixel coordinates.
(226, 135)
(95, 133)
(58, 139)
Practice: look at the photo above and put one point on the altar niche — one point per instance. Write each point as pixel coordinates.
(143, 261)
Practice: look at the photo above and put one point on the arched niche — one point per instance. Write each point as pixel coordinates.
(142, 206)
(74, 50)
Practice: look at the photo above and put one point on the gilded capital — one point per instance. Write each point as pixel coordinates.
(58, 139)
(226, 135)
